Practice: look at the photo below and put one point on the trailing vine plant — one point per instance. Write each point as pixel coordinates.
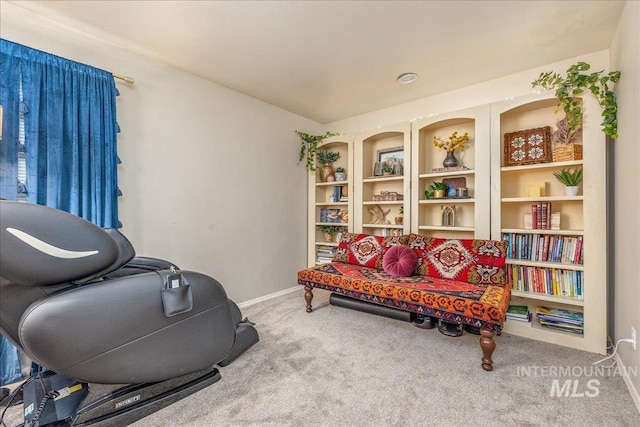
(577, 82)
(309, 147)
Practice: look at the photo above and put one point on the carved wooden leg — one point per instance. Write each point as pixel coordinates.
(487, 344)
(308, 296)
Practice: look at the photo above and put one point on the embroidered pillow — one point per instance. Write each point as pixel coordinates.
(399, 260)
(365, 249)
(467, 260)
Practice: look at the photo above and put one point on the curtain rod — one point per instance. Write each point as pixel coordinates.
(126, 79)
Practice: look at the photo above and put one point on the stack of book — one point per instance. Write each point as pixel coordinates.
(541, 215)
(561, 320)
(520, 314)
(324, 254)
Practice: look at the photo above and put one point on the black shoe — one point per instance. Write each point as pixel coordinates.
(425, 322)
(450, 329)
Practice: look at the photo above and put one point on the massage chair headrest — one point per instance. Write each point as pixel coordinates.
(42, 246)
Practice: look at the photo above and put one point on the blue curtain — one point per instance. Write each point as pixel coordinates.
(9, 363)
(9, 99)
(70, 133)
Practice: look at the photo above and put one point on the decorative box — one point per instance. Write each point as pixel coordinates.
(387, 196)
(527, 147)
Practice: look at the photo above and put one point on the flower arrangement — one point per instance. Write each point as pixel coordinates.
(454, 143)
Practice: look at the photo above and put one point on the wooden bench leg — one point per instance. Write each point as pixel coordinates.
(308, 296)
(488, 345)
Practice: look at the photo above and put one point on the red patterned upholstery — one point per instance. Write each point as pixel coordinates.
(365, 249)
(458, 281)
(467, 260)
(482, 305)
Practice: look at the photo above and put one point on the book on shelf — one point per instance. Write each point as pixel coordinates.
(561, 319)
(326, 250)
(544, 247)
(518, 310)
(548, 281)
(520, 314)
(541, 215)
(555, 221)
(564, 328)
(324, 254)
(337, 193)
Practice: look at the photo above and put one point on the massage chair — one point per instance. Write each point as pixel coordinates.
(117, 336)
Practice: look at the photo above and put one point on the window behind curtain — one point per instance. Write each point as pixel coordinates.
(65, 115)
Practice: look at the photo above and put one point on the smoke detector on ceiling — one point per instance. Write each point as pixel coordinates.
(407, 78)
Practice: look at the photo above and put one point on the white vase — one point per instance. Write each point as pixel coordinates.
(571, 190)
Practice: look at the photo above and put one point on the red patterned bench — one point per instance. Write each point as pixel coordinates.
(457, 280)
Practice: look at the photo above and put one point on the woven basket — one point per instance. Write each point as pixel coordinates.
(564, 152)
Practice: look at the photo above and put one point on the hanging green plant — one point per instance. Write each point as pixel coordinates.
(576, 83)
(309, 146)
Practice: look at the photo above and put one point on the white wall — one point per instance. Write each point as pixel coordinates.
(625, 52)
(507, 87)
(209, 175)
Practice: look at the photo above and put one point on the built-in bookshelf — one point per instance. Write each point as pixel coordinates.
(557, 242)
(453, 216)
(330, 203)
(381, 194)
(555, 261)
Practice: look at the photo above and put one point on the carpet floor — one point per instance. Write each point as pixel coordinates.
(340, 367)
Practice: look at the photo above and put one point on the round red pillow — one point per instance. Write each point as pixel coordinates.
(399, 260)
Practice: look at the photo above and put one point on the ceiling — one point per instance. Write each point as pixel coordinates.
(329, 60)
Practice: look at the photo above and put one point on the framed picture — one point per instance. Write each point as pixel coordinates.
(392, 158)
(527, 147)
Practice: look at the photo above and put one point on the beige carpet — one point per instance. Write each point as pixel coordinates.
(339, 367)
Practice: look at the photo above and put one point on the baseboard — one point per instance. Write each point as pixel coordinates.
(268, 297)
(632, 389)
